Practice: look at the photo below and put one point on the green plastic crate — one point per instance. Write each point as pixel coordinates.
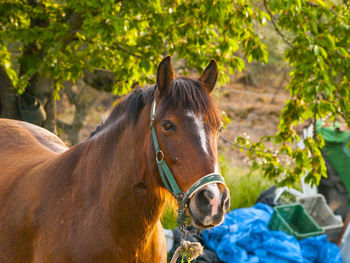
(294, 220)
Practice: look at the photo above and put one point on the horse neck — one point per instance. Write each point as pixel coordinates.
(121, 178)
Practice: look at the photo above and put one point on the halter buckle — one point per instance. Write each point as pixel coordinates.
(180, 196)
(161, 154)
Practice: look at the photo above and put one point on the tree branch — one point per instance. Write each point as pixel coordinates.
(100, 79)
(118, 45)
(275, 25)
(75, 22)
(336, 108)
(315, 5)
(233, 144)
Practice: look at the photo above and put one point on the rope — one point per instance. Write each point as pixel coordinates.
(190, 249)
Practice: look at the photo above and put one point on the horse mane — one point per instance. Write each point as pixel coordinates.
(184, 93)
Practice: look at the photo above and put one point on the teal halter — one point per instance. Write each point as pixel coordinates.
(169, 180)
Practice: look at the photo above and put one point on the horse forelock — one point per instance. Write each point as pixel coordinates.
(189, 95)
(185, 94)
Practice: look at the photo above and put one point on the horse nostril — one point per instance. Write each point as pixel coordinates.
(203, 198)
(208, 194)
(227, 204)
(225, 201)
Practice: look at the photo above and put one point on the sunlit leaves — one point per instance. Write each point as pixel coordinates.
(129, 38)
(61, 39)
(319, 85)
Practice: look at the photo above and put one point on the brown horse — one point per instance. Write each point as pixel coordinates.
(101, 200)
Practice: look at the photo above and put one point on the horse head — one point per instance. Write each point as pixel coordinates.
(186, 125)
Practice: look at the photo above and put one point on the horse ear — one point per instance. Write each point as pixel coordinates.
(165, 75)
(210, 75)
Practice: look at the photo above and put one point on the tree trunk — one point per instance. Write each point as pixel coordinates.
(83, 98)
(8, 97)
(50, 108)
(37, 104)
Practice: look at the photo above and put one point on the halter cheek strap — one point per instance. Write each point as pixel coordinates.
(164, 171)
(168, 178)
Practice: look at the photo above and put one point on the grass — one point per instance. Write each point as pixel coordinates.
(245, 188)
(169, 216)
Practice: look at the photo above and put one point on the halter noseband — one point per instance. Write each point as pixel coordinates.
(169, 180)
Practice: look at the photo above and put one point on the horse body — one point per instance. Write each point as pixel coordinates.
(101, 200)
(51, 213)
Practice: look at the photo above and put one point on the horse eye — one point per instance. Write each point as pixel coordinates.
(168, 126)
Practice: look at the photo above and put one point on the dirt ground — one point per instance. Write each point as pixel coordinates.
(253, 109)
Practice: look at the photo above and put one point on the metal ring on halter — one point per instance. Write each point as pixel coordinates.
(162, 156)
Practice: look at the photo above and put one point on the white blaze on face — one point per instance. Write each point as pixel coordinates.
(198, 121)
(215, 202)
(216, 169)
(213, 188)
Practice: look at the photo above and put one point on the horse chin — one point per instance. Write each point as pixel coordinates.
(202, 223)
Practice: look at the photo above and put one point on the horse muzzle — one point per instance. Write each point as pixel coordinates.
(208, 205)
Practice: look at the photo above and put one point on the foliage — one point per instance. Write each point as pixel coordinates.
(318, 53)
(126, 37)
(62, 39)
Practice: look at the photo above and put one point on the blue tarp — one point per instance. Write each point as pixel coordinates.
(245, 237)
